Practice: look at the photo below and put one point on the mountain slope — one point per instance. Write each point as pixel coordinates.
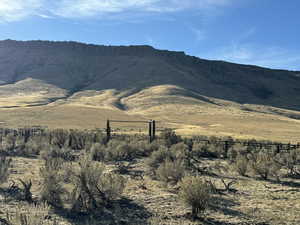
(77, 67)
(29, 92)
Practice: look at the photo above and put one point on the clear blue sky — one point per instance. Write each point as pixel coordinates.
(260, 32)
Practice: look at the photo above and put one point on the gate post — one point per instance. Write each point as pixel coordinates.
(150, 131)
(153, 130)
(108, 130)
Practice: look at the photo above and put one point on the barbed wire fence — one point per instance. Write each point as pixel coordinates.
(227, 143)
(151, 131)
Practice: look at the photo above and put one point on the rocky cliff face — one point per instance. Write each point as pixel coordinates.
(76, 67)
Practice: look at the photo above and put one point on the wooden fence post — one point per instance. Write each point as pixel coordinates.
(277, 148)
(108, 130)
(150, 131)
(226, 148)
(153, 130)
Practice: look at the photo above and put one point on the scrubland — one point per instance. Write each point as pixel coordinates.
(78, 177)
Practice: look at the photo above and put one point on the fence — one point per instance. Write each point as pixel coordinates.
(152, 135)
(151, 128)
(225, 143)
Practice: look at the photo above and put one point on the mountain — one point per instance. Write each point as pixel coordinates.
(75, 67)
(138, 81)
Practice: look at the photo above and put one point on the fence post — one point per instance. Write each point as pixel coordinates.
(278, 149)
(150, 131)
(153, 130)
(226, 148)
(108, 130)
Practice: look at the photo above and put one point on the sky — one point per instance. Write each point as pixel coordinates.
(258, 32)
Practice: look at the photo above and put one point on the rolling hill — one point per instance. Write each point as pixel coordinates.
(76, 85)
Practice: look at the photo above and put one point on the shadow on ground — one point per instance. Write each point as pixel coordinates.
(122, 212)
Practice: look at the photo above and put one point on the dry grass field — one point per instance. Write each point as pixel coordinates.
(170, 106)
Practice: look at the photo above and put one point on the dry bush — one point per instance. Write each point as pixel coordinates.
(264, 165)
(120, 150)
(56, 152)
(52, 187)
(237, 150)
(291, 161)
(180, 150)
(217, 151)
(171, 171)
(98, 152)
(163, 161)
(208, 150)
(92, 188)
(196, 192)
(144, 148)
(159, 157)
(117, 151)
(35, 144)
(5, 163)
(240, 165)
(170, 138)
(19, 148)
(112, 185)
(30, 215)
(9, 143)
(59, 138)
(200, 150)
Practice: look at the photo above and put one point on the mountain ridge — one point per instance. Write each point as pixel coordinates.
(75, 66)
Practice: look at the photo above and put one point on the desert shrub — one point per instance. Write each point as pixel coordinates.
(52, 187)
(240, 165)
(196, 192)
(34, 145)
(120, 150)
(212, 150)
(238, 150)
(170, 138)
(98, 152)
(291, 161)
(112, 185)
(171, 171)
(30, 215)
(54, 163)
(92, 188)
(59, 138)
(200, 150)
(208, 150)
(56, 152)
(180, 150)
(232, 154)
(9, 142)
(5, 163)
(19, 147)
(159, 157)
(144, 148)
(264, 165)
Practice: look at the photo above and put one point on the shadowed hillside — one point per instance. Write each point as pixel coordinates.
(77, 67)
